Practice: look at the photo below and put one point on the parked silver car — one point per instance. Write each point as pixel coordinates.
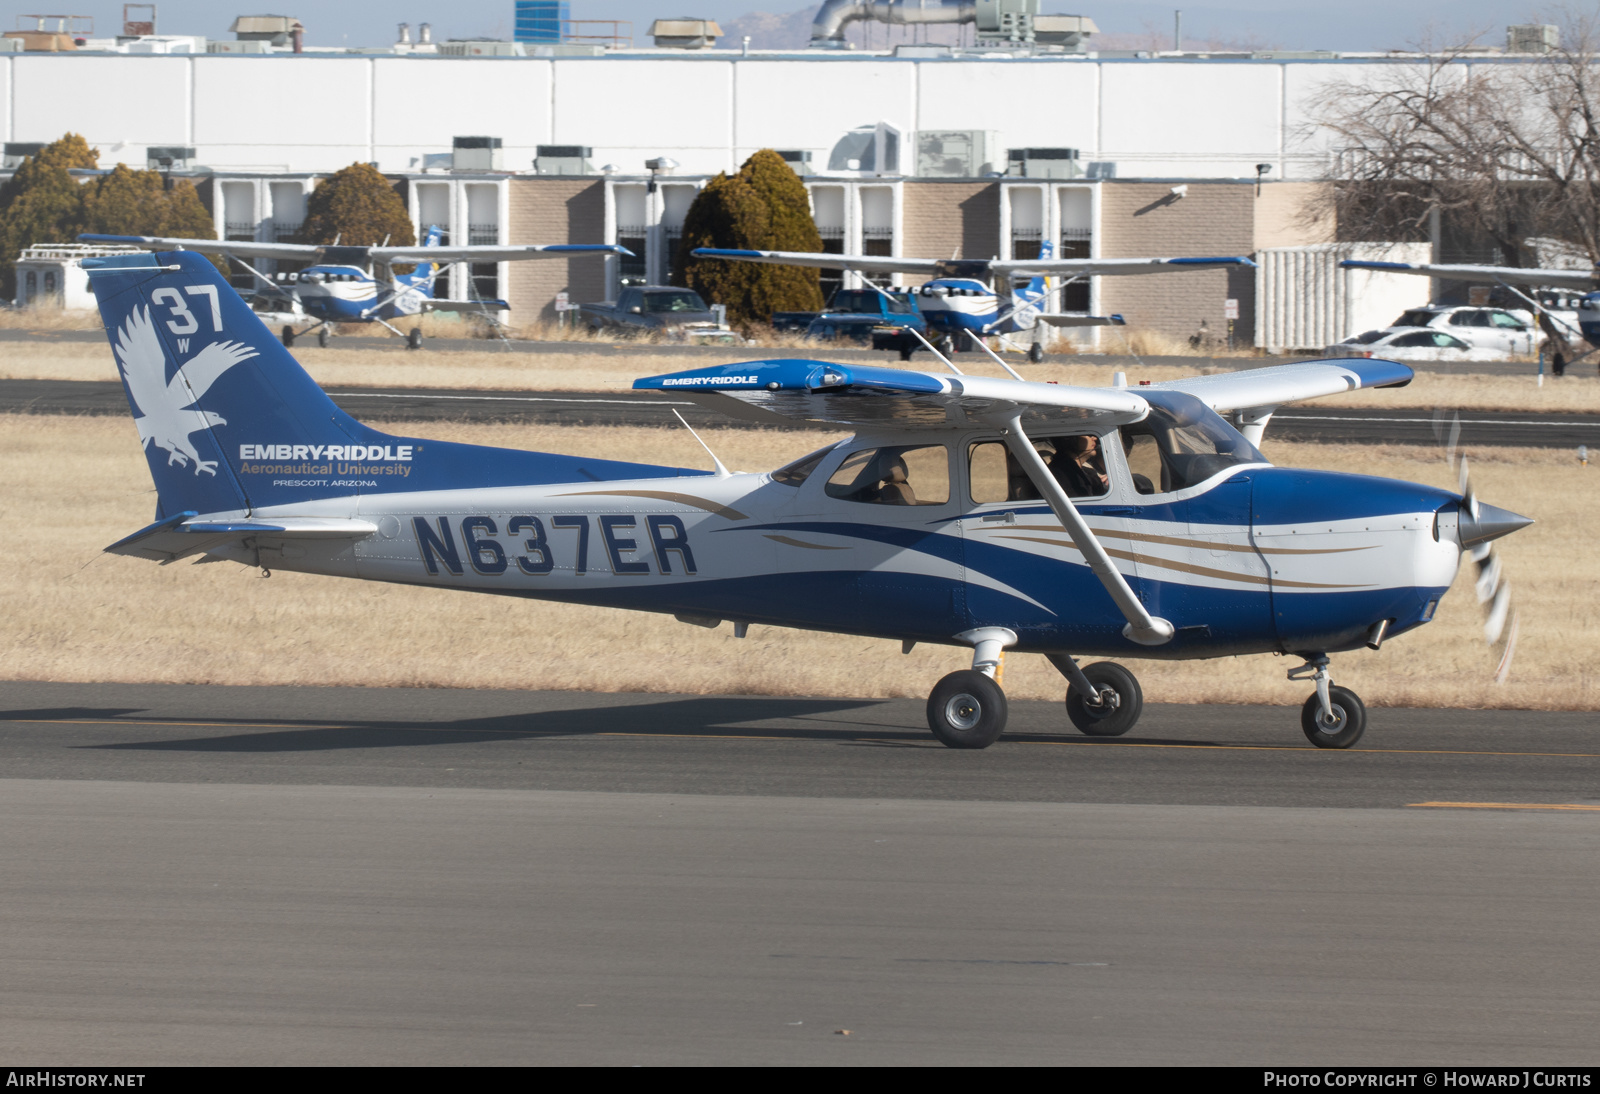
(1479, 327)
(1413, 344)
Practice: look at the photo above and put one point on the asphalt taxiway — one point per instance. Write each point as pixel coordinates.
(309, 875)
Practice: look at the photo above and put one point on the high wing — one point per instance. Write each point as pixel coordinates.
(1248, 398)
(823, 394)
(969, 267)
(381, 255)
(1583, 280)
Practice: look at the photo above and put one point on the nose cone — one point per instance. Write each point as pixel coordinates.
(1490, 522)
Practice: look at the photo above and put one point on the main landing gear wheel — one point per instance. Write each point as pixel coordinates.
(322, 337)
(967, 710)
(906, 349)
(414, 338)
(288, 336)
(1117, 707)
(1349, 720)
(1036, 352)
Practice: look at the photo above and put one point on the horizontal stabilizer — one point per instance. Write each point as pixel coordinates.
(182, 535)
(1057, 320)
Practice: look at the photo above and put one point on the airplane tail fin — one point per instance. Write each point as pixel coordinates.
(1037, 289)
(230, 421)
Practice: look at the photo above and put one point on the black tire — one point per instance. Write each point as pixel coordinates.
(1350, 719)
(322, 337)
(288, 336)
(1118, 713)
(1036, 352)
(906, 349)
(967, 710)
(414, 338)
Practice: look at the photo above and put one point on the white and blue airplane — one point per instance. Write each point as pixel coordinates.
(358, 284)
(1508, 277)
(976, 298)
(966, 511)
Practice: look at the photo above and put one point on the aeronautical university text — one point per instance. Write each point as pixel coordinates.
(353, 452)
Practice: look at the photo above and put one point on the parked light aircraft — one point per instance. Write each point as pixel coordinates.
(1508, 277)
(959, 301)
(358, 284)
(966, 511)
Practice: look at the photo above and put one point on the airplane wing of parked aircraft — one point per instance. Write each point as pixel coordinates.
(357, 284)
(965, 511)
(989, 296)
(1583, 280)
(1017, 269)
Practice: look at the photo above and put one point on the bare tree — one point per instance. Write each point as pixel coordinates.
(1502, 148)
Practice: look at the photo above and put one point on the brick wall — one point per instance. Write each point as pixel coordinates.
(555, 210)
(1140, 219)
(938, 217)
(1281, 220)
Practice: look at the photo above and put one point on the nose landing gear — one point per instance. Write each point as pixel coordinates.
(1333, 717)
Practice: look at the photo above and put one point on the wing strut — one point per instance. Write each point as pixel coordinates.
(1143, 628)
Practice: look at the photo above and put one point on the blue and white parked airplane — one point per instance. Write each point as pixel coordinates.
(966, 511)
(989, 296)
(358, 284)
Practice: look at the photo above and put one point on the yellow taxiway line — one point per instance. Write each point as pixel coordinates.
(1561, 806)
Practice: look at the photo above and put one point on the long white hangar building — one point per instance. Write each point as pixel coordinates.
(922, 152)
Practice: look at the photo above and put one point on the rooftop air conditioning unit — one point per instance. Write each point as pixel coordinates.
(249, 45)
(476, 154)
(1101, 169)
(16, 152)
(1044, 163)
(481, 47)
(685, 33)
(955, 153)
(168, 158)
(1533, 38)
(799, 160)
(563, 159)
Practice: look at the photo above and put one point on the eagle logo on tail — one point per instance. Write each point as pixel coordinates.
(165, 410)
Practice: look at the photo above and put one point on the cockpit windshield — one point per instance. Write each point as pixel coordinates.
(1182, 442)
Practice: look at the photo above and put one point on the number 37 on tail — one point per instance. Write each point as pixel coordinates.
(992, 514)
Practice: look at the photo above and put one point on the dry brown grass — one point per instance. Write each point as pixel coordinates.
(75, 484)
(45, 317)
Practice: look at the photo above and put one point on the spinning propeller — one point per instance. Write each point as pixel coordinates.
(1478, 524)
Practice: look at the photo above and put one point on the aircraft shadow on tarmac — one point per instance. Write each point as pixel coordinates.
(716, 716)
(734, 717)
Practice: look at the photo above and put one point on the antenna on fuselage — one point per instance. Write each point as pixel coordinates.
(722, 472)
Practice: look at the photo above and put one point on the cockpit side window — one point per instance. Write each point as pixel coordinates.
(1182, 442)
(902, 475)
(796, 473)
(1074, 461)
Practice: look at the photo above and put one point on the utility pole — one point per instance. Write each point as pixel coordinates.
(1177, 31)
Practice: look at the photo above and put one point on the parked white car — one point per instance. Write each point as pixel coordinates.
(1414, 344)
(1479, 327)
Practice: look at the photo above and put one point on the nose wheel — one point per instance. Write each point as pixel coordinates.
(1333, 717)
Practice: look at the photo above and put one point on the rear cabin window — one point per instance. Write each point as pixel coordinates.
(796, 473)
(909, 475)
